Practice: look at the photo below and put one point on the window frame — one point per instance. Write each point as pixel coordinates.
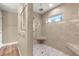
(54, 21)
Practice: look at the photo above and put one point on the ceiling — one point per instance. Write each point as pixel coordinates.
(11, 7)
(37, 7)
(45, 6)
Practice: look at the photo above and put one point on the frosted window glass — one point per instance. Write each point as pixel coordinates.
(56, 18)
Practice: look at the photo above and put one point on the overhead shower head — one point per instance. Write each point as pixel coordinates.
(41, 9)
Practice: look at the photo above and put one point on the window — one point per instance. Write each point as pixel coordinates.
(56, 18)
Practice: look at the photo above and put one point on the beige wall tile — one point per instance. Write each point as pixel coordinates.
(58, 35)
